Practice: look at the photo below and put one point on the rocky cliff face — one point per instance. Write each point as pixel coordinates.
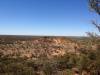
(37, 47)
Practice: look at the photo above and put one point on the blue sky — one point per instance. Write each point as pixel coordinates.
(45, 17)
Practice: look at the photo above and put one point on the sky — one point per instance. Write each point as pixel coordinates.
(45, 17)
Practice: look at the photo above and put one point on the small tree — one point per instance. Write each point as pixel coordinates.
(95, 6)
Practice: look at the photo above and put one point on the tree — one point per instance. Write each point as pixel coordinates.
(95, 5)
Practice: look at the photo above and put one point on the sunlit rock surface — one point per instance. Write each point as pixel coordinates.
(36, 47)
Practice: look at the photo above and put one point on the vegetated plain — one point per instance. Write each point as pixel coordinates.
(48, 55)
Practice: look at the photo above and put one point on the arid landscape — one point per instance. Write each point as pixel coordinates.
(49, 37)
(46, 55)
(35, 47)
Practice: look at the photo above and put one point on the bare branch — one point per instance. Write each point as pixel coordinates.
(92, 34)
(96, 25)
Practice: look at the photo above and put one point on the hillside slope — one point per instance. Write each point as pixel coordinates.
(36, 47)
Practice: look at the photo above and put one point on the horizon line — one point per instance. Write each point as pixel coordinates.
(42, 35)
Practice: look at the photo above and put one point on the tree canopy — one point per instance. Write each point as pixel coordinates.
(95, 5)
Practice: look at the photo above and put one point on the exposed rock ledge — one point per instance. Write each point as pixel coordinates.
(37, 47)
